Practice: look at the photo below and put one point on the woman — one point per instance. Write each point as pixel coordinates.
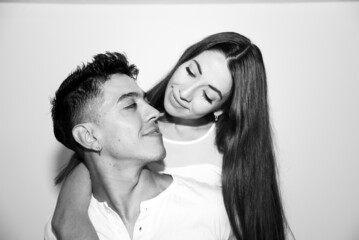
(216, 129)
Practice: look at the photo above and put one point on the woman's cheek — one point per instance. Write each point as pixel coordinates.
(200, 108)
(176, 78)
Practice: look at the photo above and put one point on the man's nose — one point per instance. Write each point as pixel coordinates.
(187, 91)
(152, 114)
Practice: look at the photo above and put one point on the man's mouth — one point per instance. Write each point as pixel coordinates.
(155, 131)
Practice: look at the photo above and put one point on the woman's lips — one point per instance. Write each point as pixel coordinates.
(176, 101)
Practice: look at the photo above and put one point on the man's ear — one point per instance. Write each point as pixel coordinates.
(84, 135)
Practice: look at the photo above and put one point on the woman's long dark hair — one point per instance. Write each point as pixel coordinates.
(243, 135)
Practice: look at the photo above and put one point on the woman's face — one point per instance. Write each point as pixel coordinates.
(199, 86)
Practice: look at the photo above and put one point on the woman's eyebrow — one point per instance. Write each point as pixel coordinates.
(198, 66)
(216, 90)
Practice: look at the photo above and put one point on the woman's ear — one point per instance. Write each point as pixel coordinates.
(217, 114)
(84, 135)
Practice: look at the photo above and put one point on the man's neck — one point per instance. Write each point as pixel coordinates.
(124, 187)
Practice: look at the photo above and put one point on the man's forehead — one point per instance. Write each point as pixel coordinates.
(120, 84)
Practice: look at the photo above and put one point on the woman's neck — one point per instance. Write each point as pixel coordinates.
(199, 122)
(184, 129)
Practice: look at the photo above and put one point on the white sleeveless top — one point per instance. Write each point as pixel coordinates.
(196, 159)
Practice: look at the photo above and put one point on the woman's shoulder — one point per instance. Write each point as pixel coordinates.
(206, 136)
(203, 173)
(196, 187)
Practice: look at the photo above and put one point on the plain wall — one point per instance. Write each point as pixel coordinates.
(311, 53)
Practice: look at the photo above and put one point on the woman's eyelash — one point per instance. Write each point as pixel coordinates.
(190, 72)
(206, 97)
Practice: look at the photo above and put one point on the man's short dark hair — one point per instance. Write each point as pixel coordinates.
(80, 88)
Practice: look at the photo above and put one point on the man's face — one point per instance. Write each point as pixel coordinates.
(127, 124)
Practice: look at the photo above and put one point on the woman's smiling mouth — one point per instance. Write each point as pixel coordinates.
(176, 101)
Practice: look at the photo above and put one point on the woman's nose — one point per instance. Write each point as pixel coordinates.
(187, 91)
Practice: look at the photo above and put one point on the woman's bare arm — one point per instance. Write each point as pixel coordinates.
(71, 220)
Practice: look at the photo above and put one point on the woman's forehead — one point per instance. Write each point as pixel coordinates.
(214, 69)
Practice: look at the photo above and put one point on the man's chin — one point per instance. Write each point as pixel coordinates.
(157, 158)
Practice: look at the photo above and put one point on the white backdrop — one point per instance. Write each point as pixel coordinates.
(311, 52)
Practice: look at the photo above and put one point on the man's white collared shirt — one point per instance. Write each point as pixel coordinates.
(185, 210)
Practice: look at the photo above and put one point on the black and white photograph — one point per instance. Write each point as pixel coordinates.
(173, 120)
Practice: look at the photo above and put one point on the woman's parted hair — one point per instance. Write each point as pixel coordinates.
(243, 136)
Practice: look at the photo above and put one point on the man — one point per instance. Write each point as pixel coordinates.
(100, 112)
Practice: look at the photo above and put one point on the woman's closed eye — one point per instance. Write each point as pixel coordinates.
(189, 72)
(205, 96)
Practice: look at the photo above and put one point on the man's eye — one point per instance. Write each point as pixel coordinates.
(131, 106)
(190, 72)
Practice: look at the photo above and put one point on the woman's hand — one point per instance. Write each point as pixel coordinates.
(71, 220)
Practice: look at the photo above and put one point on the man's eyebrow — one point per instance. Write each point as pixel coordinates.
(130, 95)
(198, 66)
(216, 90)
